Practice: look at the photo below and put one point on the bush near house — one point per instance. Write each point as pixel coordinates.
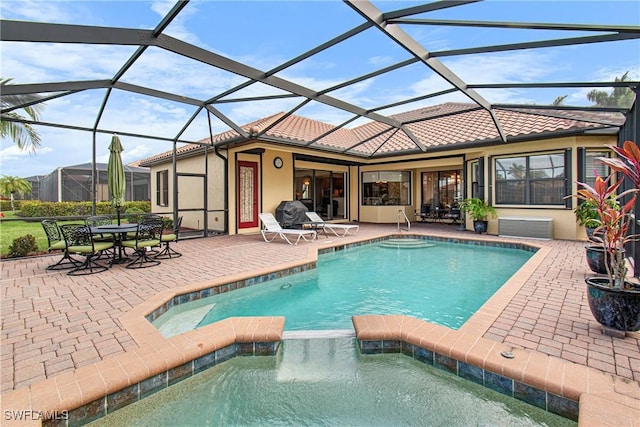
(23, 246)
(5, 205)
(37, 209)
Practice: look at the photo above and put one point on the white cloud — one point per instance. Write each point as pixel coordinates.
(177, 28)
(31, 10)
(13, 153)
(380, 61)
(49, 62)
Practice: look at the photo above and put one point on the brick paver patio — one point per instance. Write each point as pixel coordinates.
(53, 323)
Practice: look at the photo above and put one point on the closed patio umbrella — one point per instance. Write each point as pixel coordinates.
(115, 175)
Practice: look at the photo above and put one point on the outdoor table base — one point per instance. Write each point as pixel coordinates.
(118, 231)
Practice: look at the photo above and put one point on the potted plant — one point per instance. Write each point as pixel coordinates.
(613, 299)
(587, 216)
(479, 211)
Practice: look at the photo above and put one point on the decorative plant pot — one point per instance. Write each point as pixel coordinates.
(592, 235)
(596, 258)
(612, 307)
(480, 226)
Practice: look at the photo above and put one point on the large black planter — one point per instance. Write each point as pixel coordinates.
(613, 308)
(480, 226)
(592, 235)
(596, 258)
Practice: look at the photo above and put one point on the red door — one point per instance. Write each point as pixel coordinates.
(247, 194)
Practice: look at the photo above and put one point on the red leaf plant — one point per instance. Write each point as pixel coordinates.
(615, 219)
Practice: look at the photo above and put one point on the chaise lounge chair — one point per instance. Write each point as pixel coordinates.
(272, 230)
(340, 230)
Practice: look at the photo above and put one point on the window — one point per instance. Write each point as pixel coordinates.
(475, 178)
(162, 188)
(386, 188)
(594, 166)
(531, 180)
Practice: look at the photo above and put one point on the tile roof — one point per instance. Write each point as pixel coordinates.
(441, 126)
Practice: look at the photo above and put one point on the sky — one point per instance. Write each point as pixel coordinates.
(265, 34)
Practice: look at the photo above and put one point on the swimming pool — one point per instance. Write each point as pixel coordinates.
(328, 382)
(441, 282)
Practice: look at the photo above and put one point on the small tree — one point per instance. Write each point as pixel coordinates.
(10, 185)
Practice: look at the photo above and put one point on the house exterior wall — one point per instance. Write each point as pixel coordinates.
(276, 185)
(191, 190)
(564, 221)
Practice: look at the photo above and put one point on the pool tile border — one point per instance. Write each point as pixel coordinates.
(131, 394)
(91, 392)
(221, 288)
(573, 391)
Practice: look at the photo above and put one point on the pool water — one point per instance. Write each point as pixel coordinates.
(328, 382)
(444, 283)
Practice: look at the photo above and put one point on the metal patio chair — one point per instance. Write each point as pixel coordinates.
(148, 235)
(56, 242)
(166, 239)
(79, 240)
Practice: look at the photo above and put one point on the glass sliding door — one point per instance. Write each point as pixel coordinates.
(442, 189)
(449, 188)
(322, 191)
(303, 186)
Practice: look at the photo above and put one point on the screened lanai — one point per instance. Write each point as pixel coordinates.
(75, 183)
(164, 75)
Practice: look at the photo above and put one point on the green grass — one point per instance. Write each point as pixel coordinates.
(10, 230)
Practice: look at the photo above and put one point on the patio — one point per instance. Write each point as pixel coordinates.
(53, 323)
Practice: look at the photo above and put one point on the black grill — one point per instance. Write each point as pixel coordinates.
(290, 214)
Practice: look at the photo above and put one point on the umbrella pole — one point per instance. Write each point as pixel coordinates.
(118, 214)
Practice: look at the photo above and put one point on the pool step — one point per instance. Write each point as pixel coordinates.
(406, 243)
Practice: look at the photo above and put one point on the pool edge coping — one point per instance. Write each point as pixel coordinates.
(603, 399)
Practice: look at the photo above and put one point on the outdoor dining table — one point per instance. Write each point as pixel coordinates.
(118, 231)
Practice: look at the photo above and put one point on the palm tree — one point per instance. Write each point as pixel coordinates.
(620, 97)
(23, 134)
(559, 100)
(10, 185)
(518, 171)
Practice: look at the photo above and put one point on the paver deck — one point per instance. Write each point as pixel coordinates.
(53, 323)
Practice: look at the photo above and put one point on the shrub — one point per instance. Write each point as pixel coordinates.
(167, 223)
(5, 205)
(22, 246)
(37, 209)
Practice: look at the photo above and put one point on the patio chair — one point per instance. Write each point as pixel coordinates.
(454, 215)
(272, 229)
(148, 235)
(165, 239)
(56, 243)
(97, 221)
(79, 240)
(425, 213)
(340, 230)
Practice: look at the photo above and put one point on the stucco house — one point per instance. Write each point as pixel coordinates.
(524, 162)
